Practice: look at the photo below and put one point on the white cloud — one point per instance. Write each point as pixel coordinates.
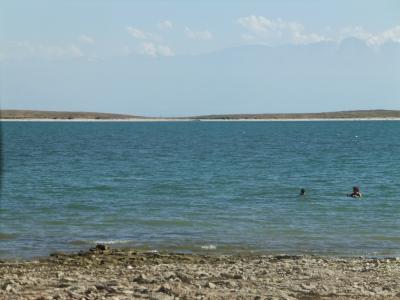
(393, 34)
(165, 25)
(198, 35)
(257, 23)
(263, 29)
(141, 34)
(86, 39)
(286, 31)
(372, 39)
(156, 50)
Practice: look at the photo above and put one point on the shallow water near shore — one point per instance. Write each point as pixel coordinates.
(212, 187)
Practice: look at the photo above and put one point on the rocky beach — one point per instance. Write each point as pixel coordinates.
(103, 273)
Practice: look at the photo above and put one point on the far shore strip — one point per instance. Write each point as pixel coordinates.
(194, 120)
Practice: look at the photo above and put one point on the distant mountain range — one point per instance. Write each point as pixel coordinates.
(58, 115)
(323, 76)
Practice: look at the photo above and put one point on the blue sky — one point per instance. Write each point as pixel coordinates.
(71, 37)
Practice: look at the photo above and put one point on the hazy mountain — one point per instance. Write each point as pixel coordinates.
(249, 79)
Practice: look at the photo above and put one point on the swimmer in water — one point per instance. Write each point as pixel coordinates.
(356, 192)
(302, 192)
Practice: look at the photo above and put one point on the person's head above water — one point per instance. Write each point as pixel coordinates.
(302, 192)
(356, 192)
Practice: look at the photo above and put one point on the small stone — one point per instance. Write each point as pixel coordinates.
(101, 247)
(211, 285)
(64, 285)
(7, 288)
(184, 277)
(129, 267)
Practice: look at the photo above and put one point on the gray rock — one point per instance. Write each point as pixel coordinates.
(101, 247)
(211, 285)
(184, 277)
(7, 288)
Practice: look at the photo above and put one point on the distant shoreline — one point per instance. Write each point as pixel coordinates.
(198, 120)
(57, 116)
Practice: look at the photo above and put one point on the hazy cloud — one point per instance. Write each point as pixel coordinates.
(248, 37)
(300, 37)
(153, 49)
(47, 51)
(141, 34)
(165, 25)
(137, 33)
(198, 35)
(86, 39)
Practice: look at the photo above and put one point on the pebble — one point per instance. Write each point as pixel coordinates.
(211, 285)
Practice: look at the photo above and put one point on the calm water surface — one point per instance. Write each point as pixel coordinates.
(201, 186)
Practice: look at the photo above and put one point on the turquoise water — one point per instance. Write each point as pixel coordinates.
(201, 187)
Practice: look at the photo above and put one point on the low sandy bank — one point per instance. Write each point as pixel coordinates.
(131, 274)
(196, 120)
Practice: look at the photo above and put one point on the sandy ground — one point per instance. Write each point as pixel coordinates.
(131, 274)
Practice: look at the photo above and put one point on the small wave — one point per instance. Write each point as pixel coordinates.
(152, 251)
(208, 247)
(105, 242)
(110, 242)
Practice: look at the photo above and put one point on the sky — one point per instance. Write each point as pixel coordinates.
(175, 58)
